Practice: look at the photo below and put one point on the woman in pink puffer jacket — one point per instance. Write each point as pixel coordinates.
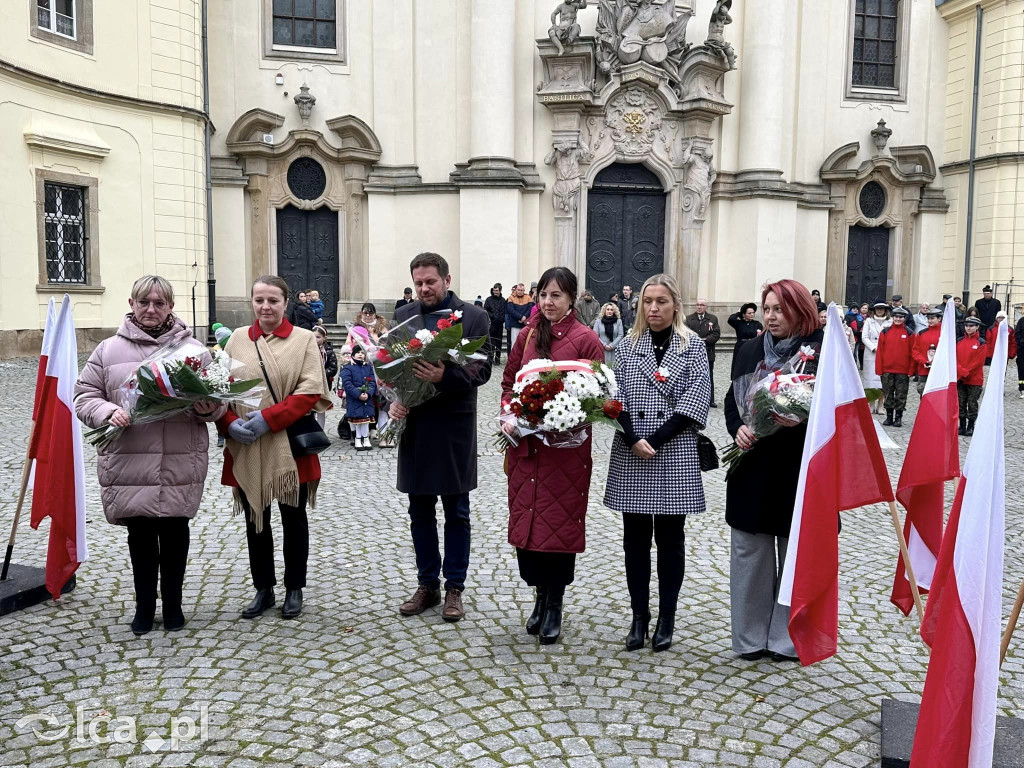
(152, 476)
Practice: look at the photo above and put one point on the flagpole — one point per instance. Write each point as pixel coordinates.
(908, 567)
(25, 473)
(1012, 624)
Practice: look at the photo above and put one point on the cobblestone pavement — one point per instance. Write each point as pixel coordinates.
(350, 682)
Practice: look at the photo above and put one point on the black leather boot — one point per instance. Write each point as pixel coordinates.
(662, 639)
(533, 623)
(970, 428)
(143, 621)
(963, 426)
(638, 631)
(898, 421)
(551, 624)
(888, 418)
(264, 599)
(292, 605)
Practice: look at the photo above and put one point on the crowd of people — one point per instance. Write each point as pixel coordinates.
(152, 478)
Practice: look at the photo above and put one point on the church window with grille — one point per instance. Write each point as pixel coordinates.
(876, 43)
(64, 218)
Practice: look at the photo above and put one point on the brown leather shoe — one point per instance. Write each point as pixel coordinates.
(453, 610)
(424, 597)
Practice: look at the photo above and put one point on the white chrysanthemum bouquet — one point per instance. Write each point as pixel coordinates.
(557, 400)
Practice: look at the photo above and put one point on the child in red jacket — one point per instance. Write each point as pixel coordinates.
(894, 362)
(970, 366)
(925, 344)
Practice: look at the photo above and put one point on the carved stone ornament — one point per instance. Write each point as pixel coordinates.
(716, 33)
(566, 157)
(565, 31)
(629, 31)
(634, 119)
(305, 101)
(880, 135)
(700, 176)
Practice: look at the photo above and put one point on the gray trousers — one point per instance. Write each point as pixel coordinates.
(758, 621)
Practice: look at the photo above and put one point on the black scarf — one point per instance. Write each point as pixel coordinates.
(157, 332)
(609, 327)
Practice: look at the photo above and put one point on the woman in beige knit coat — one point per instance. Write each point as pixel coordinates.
(258, 461)
(152, 476)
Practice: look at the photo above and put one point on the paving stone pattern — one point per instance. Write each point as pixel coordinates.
(350, 682)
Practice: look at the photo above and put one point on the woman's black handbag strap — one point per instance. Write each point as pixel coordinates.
(263, 368)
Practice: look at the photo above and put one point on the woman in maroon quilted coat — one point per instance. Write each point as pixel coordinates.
(548, 487)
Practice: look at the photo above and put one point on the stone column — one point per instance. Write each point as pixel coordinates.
(259, 190)
(490, 194)
(492, 85)
(356, 275)
(762, 101)
(694, 201)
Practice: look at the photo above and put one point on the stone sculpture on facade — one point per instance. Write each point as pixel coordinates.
(716, 33)
(565, 31)
(305, 101)
(700, 175)
(629, 31)
(566, 157)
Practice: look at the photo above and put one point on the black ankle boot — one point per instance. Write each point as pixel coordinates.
(264, 599)
(533, 623)
(963, 426)
(638, 631)
(898, 421)
(662, 639)
(970, 428)
(292, 605)
(143, 621)
(551, 624)
(174, 619)
(888, 418)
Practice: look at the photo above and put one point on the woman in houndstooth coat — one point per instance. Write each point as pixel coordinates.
(654, 473)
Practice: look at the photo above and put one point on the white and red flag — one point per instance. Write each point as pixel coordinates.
(956, 726)
(58, 491)
(842, 468)
(932, 458)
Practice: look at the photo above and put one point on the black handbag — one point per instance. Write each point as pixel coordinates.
(707, 455)
(305, 436)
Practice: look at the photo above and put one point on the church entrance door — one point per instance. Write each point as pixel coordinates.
(625, 229)
(307, 254)
(867, 265)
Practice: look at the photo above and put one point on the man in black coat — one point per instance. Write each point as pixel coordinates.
(406, 299)
(437, 450)
(988, 308)
(495, 306)
(299, 314)
(705, 325)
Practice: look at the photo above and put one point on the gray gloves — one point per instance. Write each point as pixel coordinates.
(255, 423)
(238, 431)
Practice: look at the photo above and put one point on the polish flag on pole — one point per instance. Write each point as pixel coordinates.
(44, 355)
(59, 487)
(956, 726)
(842, 468)
(932, 458)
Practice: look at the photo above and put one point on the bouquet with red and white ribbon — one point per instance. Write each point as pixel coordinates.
(557, 401)
(768, 400)
(397, 351)
(172, 380)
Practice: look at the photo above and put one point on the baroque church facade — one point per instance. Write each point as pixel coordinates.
(727, 142)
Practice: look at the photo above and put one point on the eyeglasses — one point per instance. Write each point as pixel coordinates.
(146, 304)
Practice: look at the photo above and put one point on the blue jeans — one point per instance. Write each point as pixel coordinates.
(423, 524)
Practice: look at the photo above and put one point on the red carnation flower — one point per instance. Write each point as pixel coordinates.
(383, 356)
(414, 344)
(554, 387)
(443, 324)
(612, 408)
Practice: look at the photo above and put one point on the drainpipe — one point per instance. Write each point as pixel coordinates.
(971, 169)
(211, 280)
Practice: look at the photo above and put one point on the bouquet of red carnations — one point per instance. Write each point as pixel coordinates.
(399, 349)
(768, 399)
(557, 401)
(172, 380)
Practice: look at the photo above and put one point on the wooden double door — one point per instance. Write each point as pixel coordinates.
(307, 254)
(625, 229)
(867, 265)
